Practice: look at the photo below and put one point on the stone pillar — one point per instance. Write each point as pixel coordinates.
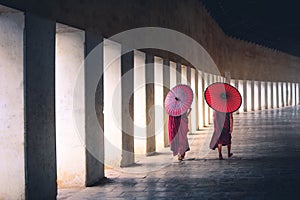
(12, 125)
(196, 97)
(159, 103)
(40, 147)
(127, 64)
(188, 76)
(94, 118)
(178, 73)
(276, 91)
(112, 103)
(200, 100)
(140, 130)
(241, 90)
(279, 87)
(257, 94)
(245, 95)
(173, 74)
(206, 107)
(69, 105)
(269, 94)
(263, 95)
(287, 101)
(184, 79)
(284, 94)
(292, 94)
(252, 96)
(210, 111)
(236, 85)
(266, 96)
(150, 108)
(193, 114)
(166, 85)
(297, 93)
(94, 107)
(272, 94)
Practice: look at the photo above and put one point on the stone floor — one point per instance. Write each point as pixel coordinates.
(265, 165)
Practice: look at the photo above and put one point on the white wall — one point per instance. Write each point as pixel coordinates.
(12, 167)
(159, 103)
(140, 134)
(70, 145)
(112, 104)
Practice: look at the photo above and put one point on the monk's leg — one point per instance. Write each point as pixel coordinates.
(220, 151)
(228, 149)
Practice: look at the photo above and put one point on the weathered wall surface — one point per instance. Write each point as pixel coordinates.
(243, 60)
(12, 166)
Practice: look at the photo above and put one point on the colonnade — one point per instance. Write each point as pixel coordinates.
(73, 103)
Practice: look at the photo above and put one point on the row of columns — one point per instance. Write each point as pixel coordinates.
(73, 103)
(260, 95)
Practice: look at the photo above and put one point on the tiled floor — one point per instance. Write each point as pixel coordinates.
(265, 165)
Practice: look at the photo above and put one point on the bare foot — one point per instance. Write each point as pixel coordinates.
(220, 157)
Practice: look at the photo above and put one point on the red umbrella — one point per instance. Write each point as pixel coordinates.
(223, 97)
(179, 100)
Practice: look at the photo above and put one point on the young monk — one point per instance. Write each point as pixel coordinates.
(223, 125)
(178, 129)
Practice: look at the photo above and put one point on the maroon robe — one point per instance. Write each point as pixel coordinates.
(222, 133)
(178, 129)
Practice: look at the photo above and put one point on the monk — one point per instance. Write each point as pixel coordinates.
(223, 124)
(178, 129)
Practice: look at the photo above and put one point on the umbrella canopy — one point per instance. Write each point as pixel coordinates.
(179, 100)
(223, 97)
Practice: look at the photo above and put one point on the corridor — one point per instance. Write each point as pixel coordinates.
(265, 165)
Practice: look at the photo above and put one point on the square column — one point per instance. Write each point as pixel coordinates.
(287, 94)
(184, 79)
(284, 94)
(277, 95)
(200, 99)
(279, 87)
(173, 74)
(249, 95)
(150, 109)
(297, 94)
(140, 132)
(127, 107)
(193, 114)
(166, 89)
(112, 103)
(241, 90)
(245, 95)
(159, 103)
(206, 107)
(272, 94)
(257, 95)
(178, 73)
(12, 125)
(40, 147)
(94, 107)
(252, 95)
(263, 94)
(292, 94)
(69, 100)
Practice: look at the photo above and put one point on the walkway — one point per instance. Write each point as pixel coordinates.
(265, 165)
